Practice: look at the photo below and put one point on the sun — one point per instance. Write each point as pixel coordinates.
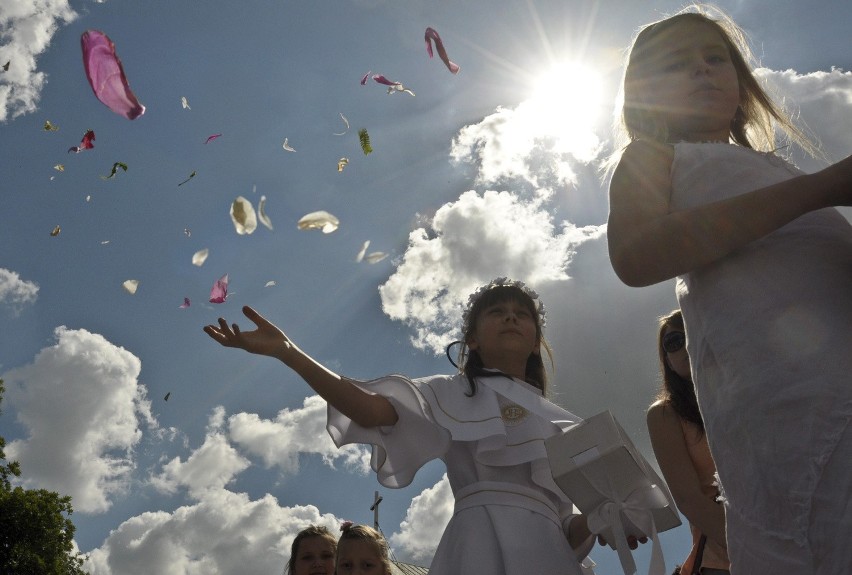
(565, 104)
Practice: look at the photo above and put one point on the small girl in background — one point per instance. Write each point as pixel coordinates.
(487, 423)
(680, 445)
(312, 552)
(362, 550)
(764, 280)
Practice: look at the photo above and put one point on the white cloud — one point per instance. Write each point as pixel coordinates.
(424, 523)
(81, 406)
(223, 533)
(26, 29)
(279, 441)
(471, 241)
(14, 291)
(211, 466)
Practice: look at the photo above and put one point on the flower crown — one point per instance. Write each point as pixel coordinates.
(503, 282)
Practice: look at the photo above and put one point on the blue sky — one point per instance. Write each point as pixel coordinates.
(490, 172)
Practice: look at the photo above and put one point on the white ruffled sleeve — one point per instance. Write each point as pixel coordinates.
(401, 449)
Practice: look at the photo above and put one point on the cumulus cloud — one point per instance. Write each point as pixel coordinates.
(279, 441)
(14, 291)
(81, 406)
(469, 242)
(211, 466)
(223, 533)
(424, 523)
(26, 29)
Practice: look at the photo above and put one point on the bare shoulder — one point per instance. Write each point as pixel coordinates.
(661, 415)
(644, 168)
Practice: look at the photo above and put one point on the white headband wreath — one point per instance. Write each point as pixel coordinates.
(503, 282)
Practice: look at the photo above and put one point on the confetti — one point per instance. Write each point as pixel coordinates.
(346, 122)
(192, 175)
(219, 291)
(341, 163)
(55, 231)
(320, 220)
(287, 146)
(431, 34)
(211, 138)
(364, 138)
(87, 143)
(114, 171)
(261, 213)
(184, 103)
(48, 127)
(106, 75)
(130, 286)
(199, 257)
(243, 216)
(363, 251)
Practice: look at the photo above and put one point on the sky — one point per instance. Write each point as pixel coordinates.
(494, 171)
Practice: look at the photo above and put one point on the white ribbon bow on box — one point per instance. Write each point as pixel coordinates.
(636, 509)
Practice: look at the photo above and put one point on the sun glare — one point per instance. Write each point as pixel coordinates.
(566, 104)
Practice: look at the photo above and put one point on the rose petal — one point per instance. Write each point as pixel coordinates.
(243, 216)
(199, 257)
(320, 220)
(261, 213)
(130, 286)
(106, 75)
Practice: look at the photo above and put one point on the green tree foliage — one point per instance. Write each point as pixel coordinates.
(36, 532)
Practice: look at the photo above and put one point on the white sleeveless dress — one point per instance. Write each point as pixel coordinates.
(770, 341)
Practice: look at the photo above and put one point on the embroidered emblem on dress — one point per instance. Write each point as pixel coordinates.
(512, 414)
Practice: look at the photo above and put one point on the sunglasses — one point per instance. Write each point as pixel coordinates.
(674, 341)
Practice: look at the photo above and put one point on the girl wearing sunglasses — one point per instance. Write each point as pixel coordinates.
(680, 445)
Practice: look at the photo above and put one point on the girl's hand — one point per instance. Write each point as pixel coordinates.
(267, 339)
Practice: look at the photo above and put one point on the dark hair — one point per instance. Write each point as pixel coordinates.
(469, 360)
(307, 533)
(676, 391)
(351, 532)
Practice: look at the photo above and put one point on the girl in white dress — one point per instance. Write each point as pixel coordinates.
(488, 424)
(764, 279)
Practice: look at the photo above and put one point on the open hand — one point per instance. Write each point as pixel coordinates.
(267, 339)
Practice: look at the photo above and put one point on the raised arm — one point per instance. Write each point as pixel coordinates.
(671, 452)
(649, 243)
(365, 409)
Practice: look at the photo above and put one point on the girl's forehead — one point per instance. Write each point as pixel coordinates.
(349, 547)
(688, 34)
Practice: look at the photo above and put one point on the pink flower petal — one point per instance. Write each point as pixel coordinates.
(382, 80)
(219, 291)
(432, 34)
(364, 79)
(211, 138)
(185, 304)
(106, 75)
(85, 144)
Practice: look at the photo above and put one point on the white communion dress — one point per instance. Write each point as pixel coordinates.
(510, 517)
(769, 331)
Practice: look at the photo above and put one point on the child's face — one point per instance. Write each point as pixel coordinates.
(355, 557)
(315, 556)
(693, 83)
(505, 327)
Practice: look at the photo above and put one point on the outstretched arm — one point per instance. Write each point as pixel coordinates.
(365, 409)
(649, 243)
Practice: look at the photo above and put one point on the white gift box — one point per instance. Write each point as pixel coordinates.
(596, 464)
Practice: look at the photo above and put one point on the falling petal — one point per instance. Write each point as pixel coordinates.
(364, 79)
(399, 88)
(364, 138)
(105, 242)
(270, 283)
(59, 168)
(431, 34)
(219, 291)
(106, 75)
(185, 303)
(382, 80)
(341, 163)
(55, 231)
(320, 220)
(186, 232)
(243, 216)
(363, 251)
(192, 175)
(287, 146)
(169, 394)
(85, 144)
(199, 257)
(184, 103)
(130, 286)
(89, 198)
(345, 121)
(6, 65)
(375, 257)
(211, 138)
(261, 213)
(115, 167)
(48, 127)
